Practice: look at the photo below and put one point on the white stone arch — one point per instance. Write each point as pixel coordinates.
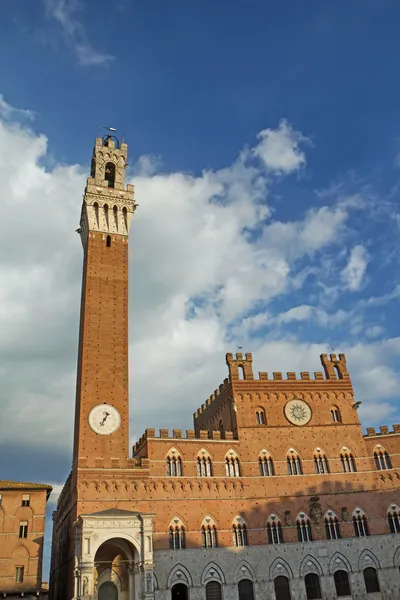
(173, 451)
(231, 453)
(396, 558)
(339, 562)
(239, 520)
(212, 572)
(155, 582)
(209, 520)
(280, 567)
(244, 570)
(204, 453)
(309, 564)
(177, 521)
(179, 574)
(367, 559)
(115, 535)
(359, 512)
(265, 453)
(109, 575)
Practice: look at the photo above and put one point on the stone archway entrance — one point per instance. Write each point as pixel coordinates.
(179, 592)
(114, 564)
(108, 591)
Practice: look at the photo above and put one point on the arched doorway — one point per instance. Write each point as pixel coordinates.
(246, 590)
(108, 591)
(179, 592)
(114, 573)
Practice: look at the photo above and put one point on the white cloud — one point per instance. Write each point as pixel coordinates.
(8, 112)
(64, 12)
(353, 273)
(280, 149)
(194, 274)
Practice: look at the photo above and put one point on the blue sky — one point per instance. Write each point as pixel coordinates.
(264, 144)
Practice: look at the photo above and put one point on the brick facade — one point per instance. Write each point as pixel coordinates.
(243, 436)
(22, 521)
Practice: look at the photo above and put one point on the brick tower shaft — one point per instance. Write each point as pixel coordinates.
(103, 339)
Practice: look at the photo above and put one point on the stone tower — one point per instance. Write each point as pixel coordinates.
(102, 382)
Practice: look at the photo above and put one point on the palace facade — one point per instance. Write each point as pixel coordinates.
(275, 494)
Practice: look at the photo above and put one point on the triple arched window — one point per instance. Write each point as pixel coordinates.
(294, 465)
(382, 459)
(239, 532)
(394, 518)
(274, 530)
(174, 466)
(347, 461)
(232, 465)
(266, 464)
(204, 466)
(208, 533)
(304, 531)
(177, 537)
(321, 465)
(332, 526)
(360, 523)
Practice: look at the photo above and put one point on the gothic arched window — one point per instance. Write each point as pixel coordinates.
(342, 583)
(382, 459)
(282, 588)
(245, 589)
(232, 465)
(266, 464)
(394, 518)
(313, 586)
(371, 580)
(360, 523)
(177, 535)
(239, 532)
(320, 462)
(347, 461)
(204, 465)
(335, 414)
(304, 532)
(213, 591)
(174, 465)
(332, 526)
(260, 416)
(294, 463)
(208, 533)
(274, 530)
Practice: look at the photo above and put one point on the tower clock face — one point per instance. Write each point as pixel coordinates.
(104, 419)
(298, 412)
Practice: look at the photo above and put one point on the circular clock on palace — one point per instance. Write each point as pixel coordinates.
(104, 419)
(298, 412)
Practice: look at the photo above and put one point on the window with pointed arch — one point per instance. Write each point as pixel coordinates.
(294, 465)
(260, 417)
(109, 174)
(174, 464)
(274, 530)
(239, 532)
(177, 534)
(209, 533)
(371, 580)
(266, 464)
(213, 591)
(332, 526)
(393, 516)
(321, 465)
(304, 531)
(382, 459)
(347, 461)
(282, 588)
(204, 464)
(313, 586)
(335, 415)
(360, 523)
(232, 465)
(342, 583)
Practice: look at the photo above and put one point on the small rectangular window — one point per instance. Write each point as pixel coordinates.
(26, 500)
(23, 529)
(19, 574)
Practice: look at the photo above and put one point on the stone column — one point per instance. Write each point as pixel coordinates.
(131, 575)
(76, 584)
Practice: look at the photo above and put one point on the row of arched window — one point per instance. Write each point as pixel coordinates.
(266, 463)
(312, 586)
(274, 529)
(261, 418)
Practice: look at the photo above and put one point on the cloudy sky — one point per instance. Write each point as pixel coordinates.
(264, 143)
